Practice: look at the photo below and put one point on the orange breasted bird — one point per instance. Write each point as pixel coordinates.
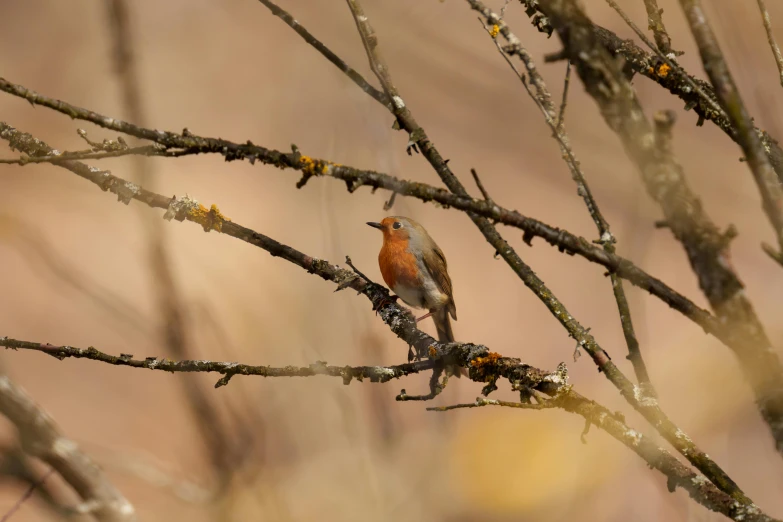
(414, 268)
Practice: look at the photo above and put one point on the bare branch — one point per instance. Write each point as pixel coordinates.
(480, 186)
(27, 494)
(213, 220)
(766, 179)
(706, 246)
(655, 22)
(771, 38)
(566, 83)
(399, 319)
(354, 179)
(481, 401)
(357, 78)
(227, 369)
(436, 387)
(42, 438)
(524, 272)
(676, 81)
(698, 487)
(678, 474)
(604, 81)
(648, 407)
(668, 61)
(401, 322)
(543, 99)
(147, 150)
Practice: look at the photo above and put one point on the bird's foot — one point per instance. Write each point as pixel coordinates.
(386, 300)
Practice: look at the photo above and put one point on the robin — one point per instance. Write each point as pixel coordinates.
(415, 269)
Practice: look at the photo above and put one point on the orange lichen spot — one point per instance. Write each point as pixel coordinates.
(491, 358)
(211, 219)
(651, 70)
(663, 70)
(308, 165)
(314, 167)
(494, 31)
(433, 352)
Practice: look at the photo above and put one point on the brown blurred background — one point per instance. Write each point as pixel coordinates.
(75, 266)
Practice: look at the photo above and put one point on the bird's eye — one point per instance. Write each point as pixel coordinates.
(397, 225)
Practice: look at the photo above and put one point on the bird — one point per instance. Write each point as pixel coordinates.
(415, 269)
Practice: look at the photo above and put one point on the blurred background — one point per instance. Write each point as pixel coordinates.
(76, 268)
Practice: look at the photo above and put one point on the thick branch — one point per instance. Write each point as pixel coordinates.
(706, 246)
(726, 90)
(42, 438)
(605, 82)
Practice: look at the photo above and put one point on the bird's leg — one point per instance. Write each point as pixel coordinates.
(424, 317)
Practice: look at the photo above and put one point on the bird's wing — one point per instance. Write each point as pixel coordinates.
(435, 262)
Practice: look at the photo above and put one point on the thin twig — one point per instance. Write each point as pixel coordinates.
(655, 21)
(27, 494)
(480, 186)
(146, 150)
(566, 83)
(543, 99)
(771, 38)
(481, 401)
(378, 374)
(436, 387)
(668, 61)
(357, 78)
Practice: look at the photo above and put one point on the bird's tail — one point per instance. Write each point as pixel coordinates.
(446, 335)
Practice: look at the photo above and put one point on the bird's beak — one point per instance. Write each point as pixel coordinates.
(375, 225)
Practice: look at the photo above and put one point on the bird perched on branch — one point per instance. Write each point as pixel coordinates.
(415, 269)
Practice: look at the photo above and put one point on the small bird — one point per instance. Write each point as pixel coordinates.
(415, 269)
